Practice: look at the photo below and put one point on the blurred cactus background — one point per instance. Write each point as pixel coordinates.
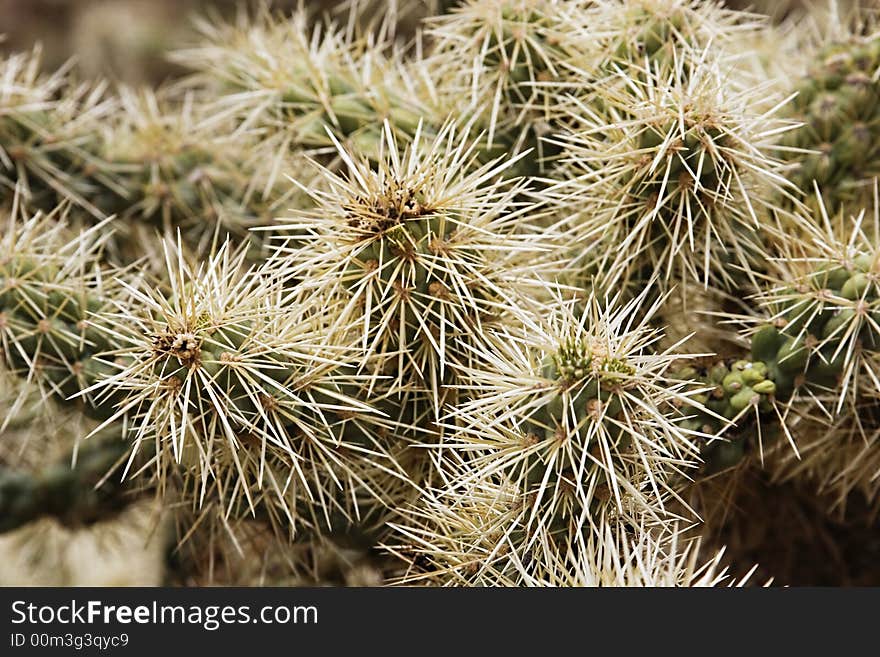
(477, 293)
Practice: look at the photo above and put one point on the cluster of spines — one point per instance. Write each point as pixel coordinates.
(574, 415)
(51, 288)
(246, 386)
(814, 347)
(504, 62)
(48, 133)
(169, 168)
(480, 536)
(294, 81)
(666, 144)
(424, 250)
(404, 263)
(155, 161)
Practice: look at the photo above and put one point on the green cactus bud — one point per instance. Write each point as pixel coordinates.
(743, 399)
(753, 375)
(733, 382)
(837, 278)
(765, 387)
(718, 372)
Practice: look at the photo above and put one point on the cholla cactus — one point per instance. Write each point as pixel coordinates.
(837, 104)
(168, 169)
(424, 252)
(821, 307)
(470, 535)
(242, 384)
(678, 174)
(47, 132)
(455, 348)
(479, 536)
(295, 80)
(579, 412)
(622, 556)
(663, 31)
(52, 286)
(505, 61)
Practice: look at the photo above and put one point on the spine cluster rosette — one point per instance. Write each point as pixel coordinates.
(171, 166)
(243, 383)
(580, 417)
(424, 253)
(479, 536)
(678, 177)
(505, 62)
